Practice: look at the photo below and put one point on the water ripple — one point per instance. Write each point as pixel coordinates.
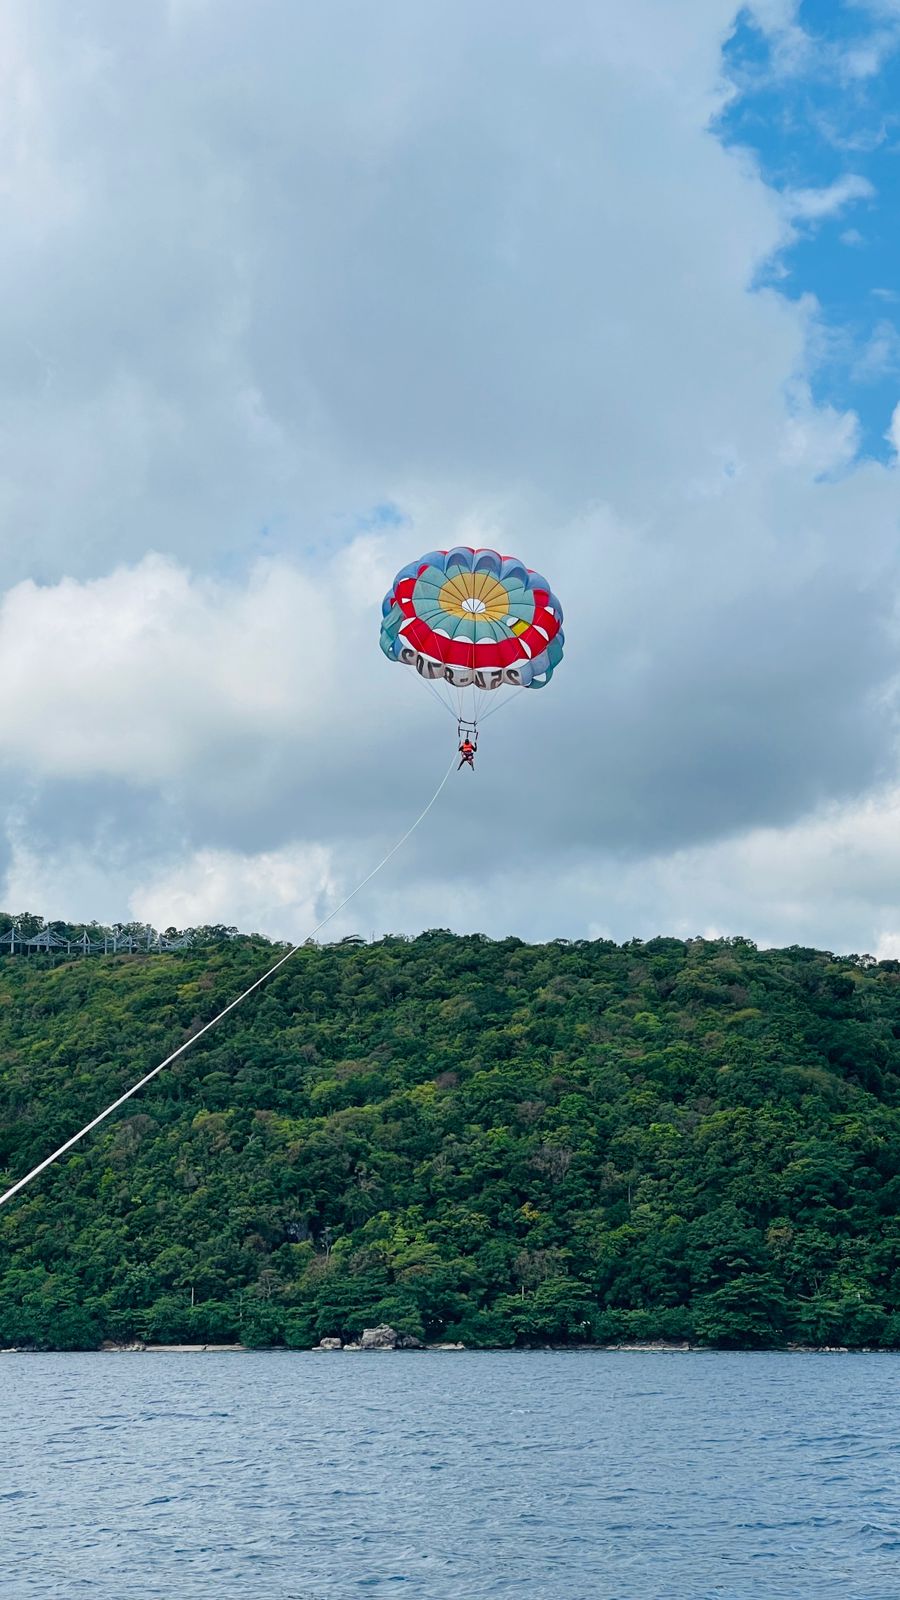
(582, 1476)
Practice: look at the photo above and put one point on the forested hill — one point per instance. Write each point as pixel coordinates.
(487, 1141)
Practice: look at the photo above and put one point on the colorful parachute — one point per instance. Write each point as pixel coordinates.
(473, 620)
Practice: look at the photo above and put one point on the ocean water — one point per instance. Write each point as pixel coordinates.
(464, 1476)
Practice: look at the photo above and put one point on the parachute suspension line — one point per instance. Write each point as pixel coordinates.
(474, 684)
(467, 727)
(441, 700)
(504, 702)
(232, 1006)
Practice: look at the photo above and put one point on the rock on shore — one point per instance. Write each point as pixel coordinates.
(381, 1338)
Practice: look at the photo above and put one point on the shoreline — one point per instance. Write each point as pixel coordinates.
(647, 1348)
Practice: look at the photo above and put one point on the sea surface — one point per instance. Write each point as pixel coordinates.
(450, 1476)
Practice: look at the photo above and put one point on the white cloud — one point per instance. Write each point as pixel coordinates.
(283, 893)
(832, 879)
(80, 884)
(893, 432)
(338, 274)
(796, 51)
(814, 205)
(867, 58)
(819, 439)
(143, 674)
(495, 270)
(773, 16)
(879, 356)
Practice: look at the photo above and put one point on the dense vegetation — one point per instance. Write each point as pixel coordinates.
(490, 1141)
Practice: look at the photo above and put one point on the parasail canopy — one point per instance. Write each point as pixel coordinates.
(472, 622)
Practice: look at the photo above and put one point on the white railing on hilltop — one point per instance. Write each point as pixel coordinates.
(45, 941)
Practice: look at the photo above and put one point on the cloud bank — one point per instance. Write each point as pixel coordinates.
(291, 295)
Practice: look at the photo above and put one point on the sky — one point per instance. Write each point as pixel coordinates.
(290, 294)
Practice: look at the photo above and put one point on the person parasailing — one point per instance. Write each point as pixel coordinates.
(468, 749)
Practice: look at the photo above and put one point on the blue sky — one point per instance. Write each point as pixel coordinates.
(814, 113)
